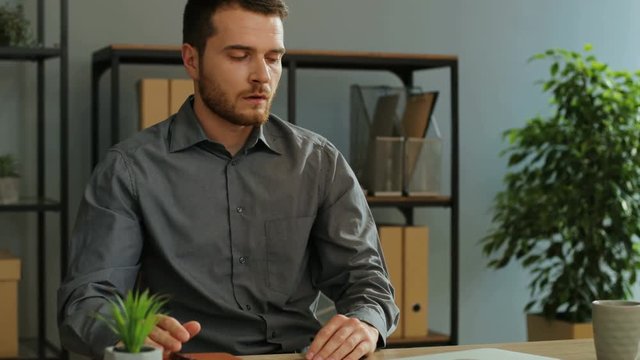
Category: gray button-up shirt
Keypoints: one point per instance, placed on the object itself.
(241, 243)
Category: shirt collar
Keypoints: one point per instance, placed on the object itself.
(266, 135)
(186, 131)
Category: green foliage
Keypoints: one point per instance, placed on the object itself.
(570, 212)
(134, 317)
(8, 166)
(14, 27)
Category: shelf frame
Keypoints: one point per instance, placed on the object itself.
(32, 205)
(40, 204)
(14, 53)
(402, 65)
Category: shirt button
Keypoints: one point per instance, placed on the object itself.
(242, 260)
(248, 307)
(234, 163)
(239, 209)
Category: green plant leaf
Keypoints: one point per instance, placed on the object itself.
(570, 207)
(134, 317)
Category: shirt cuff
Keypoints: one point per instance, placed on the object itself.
(373, 318)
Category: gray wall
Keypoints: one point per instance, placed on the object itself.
(493, 39)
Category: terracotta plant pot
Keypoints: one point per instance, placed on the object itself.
(540, 328)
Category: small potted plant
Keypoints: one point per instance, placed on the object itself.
(570, 212)
(9, 180)
(132, 320)
(14, 27)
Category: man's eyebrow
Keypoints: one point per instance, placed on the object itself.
(239, 47)
(252, 49)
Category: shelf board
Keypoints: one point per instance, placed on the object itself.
(14, 53)
(409, 201)
(432, 339)
(354, 60)
(312, 59)
(31, 204)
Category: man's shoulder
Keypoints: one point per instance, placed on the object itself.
(298, 136)
(153, 138)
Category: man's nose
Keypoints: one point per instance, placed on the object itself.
(261, 72)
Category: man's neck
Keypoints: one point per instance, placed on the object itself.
(232, 136)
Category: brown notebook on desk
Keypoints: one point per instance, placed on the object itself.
(203, 356)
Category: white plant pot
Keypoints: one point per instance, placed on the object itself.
(9, 190)
(147, 353)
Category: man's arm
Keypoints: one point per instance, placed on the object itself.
(351, 268)
(104, 254)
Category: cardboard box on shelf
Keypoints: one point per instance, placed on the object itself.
(9, 276)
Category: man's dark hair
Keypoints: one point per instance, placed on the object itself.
(197, 22)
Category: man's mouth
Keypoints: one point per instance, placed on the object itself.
(257, 98)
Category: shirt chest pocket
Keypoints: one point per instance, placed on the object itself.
(287, 252)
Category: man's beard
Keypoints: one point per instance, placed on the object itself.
(218, 102)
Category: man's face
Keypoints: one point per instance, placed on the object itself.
(241, 66)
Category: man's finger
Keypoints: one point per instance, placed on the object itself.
(340, 344)
(165, 339)
(174, 327)
(192, 327)
(324, 335)
(150, 342)
(361, 350)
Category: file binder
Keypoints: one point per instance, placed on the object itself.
(416, 271)
(391, 242)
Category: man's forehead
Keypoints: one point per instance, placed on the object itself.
(234, 19)
(236, 27)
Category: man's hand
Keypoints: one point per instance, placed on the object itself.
(343, 338)
(169, 334)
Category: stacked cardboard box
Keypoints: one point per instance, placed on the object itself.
(9, 276)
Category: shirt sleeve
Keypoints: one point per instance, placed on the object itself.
(351, 267)
(104, 254)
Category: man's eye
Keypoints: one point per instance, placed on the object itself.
(238, 56)
(273, 59)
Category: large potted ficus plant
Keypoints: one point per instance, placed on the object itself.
(9, 180)
(570, 212)
(132, 320)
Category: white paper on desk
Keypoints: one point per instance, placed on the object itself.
(480, 354)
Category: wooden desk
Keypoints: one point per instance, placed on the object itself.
(562, 349)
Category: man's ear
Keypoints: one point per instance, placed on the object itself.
(190, 60)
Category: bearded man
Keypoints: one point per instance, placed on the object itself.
(242, 219)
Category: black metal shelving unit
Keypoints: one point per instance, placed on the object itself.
(402, 65)
(41, 347)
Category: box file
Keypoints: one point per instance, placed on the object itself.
(415, 272)
(391, 241)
